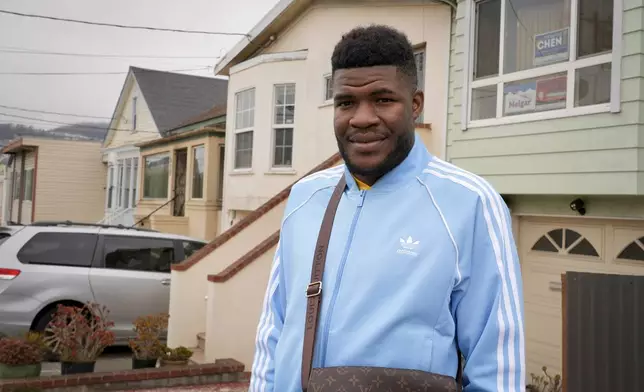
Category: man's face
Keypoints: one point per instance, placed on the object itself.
(375, 111)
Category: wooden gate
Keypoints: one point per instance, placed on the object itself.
(603, 332)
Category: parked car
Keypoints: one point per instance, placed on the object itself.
(49, 263)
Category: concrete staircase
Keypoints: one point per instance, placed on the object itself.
(198, 353)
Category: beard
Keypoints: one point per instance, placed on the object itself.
(402, 146)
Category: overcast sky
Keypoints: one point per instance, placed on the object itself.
(96, 95)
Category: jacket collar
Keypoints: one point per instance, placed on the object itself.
(407, 170)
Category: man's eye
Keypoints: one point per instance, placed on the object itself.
(342, 103)
(385, 100)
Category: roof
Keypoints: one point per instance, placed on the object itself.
(204, 131)
(214, 112)
(277, 19)
(27, 141)
(173, 97)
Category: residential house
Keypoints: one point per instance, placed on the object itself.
(54, 179)
(182, 177)
(151, 104)
(279, 128)
(547, 107)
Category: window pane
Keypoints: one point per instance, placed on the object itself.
(535, 95)
(595, 28)
(536, 33)
(289, 98)
(190, 247)
(197, 172)
(487, 42)
(156, 176)
(243, 150)
(289, 114)
(592, 85)
(245, 109)
(484, 102)
(329, 88)
(139, 254)
(283, 153)
(279, 115)
(66, 249)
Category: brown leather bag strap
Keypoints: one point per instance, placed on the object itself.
(314, 289)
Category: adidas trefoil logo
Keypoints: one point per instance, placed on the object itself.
(408, 247)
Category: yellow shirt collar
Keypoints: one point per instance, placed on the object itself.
(361, 185)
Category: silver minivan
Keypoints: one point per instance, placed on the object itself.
(49, 263)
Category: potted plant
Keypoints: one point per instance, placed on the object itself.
(175, 356)
(78, 335)
(20, 358)
(146, 345)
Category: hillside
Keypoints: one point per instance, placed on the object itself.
(80, 131)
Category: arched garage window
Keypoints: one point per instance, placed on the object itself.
(633, 251)
(565, 241)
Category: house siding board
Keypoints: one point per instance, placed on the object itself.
(591, 154)
(147, 129)
(70, 186)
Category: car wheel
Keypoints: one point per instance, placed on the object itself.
(40, 326)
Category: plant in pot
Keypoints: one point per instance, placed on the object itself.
(20, 358)
(146, 345)
(78, 335)
(175, 356)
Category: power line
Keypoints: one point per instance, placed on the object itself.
(17, 50)
(96, 73)
(83, 125)
(56, 113)
(120, 25)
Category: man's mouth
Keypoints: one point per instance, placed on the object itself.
(365, 141)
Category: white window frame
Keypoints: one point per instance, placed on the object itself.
(421, 77)
(615, 58)
(237, 130)
(327, 78)
(275, 126)
(134, 100)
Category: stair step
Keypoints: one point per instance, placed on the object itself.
(198, 356)
(201, 340)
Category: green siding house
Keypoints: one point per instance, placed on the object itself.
(546, 102)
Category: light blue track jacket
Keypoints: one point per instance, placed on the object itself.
(423, 256)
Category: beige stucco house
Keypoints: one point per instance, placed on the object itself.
(182, 177)
(54, 179)
(151, 104)
(279, 128)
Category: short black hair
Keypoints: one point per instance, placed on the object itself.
(375, 45)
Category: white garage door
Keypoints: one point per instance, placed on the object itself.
(548, 247)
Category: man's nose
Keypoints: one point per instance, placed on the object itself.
(364, 116)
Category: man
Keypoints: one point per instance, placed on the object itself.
(421, 259)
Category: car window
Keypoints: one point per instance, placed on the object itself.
(138, 254)
(190, 247)
(64, 249)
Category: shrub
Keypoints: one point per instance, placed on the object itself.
(17, 352)
(177, 354)
(79, 334)
(545, 382)
(147, 342)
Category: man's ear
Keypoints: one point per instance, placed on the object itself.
(417, 103)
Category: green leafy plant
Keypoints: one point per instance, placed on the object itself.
(79, 334)
(19, 352)
(176, 354)
(545, 382)
(147, 342)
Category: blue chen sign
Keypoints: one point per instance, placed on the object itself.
(551, 47)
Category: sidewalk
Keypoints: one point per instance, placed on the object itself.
(236, 387)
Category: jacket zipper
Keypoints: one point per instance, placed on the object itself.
(338, 279)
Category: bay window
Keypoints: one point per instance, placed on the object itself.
(531, 57)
